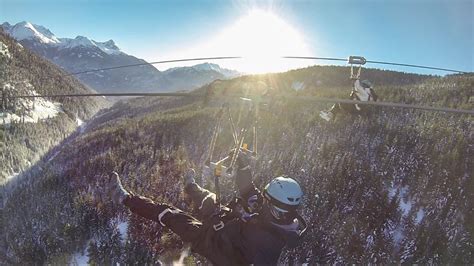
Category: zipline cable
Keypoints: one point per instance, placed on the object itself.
(378, 62)
(298, 98)
(153, 94)
(417, 66)
(385, 104)
(240, 57)
(302, 98)
(316, 58)
(153, 63)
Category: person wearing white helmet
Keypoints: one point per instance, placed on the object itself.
(362, 91)
(282, 197)
(250, 230)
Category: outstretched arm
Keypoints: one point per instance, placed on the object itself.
(244, 183)
(244, 178)
(137, 204)
(183, 224)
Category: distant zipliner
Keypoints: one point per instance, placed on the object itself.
(361, 91)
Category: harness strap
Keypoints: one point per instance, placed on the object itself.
(255, 130)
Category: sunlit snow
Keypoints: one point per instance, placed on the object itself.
(80, 258)
(26, 30)
(4, 50)
(420, 215)
(35, 109)
(398, 234)
(12, 176)
(123, 227)
(79, 122)
(405, 204)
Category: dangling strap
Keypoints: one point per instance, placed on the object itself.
(215, 133)
(233, 128)
(255, 130)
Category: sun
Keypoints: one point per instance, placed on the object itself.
(261, 38)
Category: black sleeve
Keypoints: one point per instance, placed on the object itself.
(244, 183)
(144, 207)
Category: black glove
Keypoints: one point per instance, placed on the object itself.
(244, 158)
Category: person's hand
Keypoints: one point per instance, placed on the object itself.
(245, 158)
(189, 177)
(115, 188)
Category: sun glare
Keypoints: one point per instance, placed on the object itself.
(262, 38)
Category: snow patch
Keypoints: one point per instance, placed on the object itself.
(12, 176)
(26, 30)
(420, 214)
(77, 42)
(398, 235)
(4, 51)
(123, 227)
(207, 67)
(391, 192)
(82, 126)
(80, 258)
(405, 204)
(32, 109)
(108, 47)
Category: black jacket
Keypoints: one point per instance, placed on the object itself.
(255, 241)
(239, 242)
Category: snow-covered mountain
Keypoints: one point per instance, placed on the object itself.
(25, 30)
(195, 76)
(211, 67)
(82, 53)
(41, 35)
(34, 125)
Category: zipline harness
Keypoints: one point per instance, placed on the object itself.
(220, 168)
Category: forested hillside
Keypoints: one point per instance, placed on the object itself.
(393, 186)
(30, 127)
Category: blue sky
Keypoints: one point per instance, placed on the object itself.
(428, 32)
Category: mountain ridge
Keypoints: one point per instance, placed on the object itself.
(24, 122)
(27, 31)
(82, 53)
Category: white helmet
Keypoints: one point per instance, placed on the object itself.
(284, 196)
